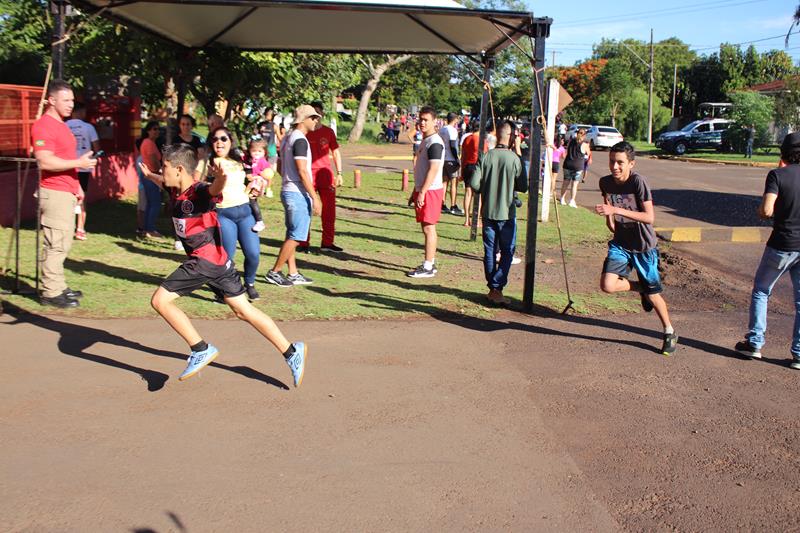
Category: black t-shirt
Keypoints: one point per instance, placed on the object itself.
(631, 195)
(574, 157)
(195, 143)
(785, 182)
(267, 131)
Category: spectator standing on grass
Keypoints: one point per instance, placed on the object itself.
(323, 143)
(87, 141)
(298, 196)
(450, 138)
(751, 139)
(267, 132)
(197, 225)
(428, 190)
(498, 177)
(574, 161)
(54, 149)
(628, 208)
(469, 162)
(781, 203)
(234, 212)
(150, 180)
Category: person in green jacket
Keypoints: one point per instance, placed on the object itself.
(498, 177)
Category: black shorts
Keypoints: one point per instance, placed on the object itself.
(450, 170)
(192, 275)
(83, 178)
(469, 170)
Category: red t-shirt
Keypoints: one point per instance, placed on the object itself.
(322, 142)
(469, 149)
(55, 136)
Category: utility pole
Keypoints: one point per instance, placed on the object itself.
(59, 10)
(650, 97)
(554, 58)
(674, 88)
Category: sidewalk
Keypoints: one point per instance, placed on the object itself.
(518, 423)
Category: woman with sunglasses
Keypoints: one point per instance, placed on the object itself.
(235, 217)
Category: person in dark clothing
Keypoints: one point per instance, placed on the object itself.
(781, 203)
(577, 153)
(751, 139)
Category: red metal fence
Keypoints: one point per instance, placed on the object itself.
(18, 107)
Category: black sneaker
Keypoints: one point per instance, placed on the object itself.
(60, 301)
(277, 278)
(422, 272)
(445, 209)
(72, 294)
(647, 305)
(747, 349)
(455, 210)
(670, 343)
(303, 249)
(252, 293)
(331, 248)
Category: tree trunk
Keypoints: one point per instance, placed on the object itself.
(366, 96)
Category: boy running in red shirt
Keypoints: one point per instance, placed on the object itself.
(197, 227)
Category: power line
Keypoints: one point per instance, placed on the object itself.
(678, 10)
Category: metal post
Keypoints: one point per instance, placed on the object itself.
(59, 11)
(534, 158)
(650, 97)
(17, 220)
(488, 64)
(674, 88)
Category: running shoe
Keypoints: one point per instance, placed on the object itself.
(299, 279)
(455, 210)
(277, 278)
(303, 250)
(80, 235)
(647, 305)
(795, 364)
(572, 203)
(252, 293)
(198, 361)
(516, 260)
(747, 349)
(259, 226)
(445, 210)
(422, 272)
(297, 362)
(178, 245)
(331, 248)
(670, 343)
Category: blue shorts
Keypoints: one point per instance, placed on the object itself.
(621, 261)
(572, 175)
(297, 215)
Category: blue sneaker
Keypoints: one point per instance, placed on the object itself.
(297, 362)
(198, 361)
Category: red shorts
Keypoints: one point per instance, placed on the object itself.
(432, 210)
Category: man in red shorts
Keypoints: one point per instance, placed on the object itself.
(323, 142)
(54, 147)
(428, 189)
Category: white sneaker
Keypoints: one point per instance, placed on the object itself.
(178, 245)
(563, 202)
(259, 226)
(572, 203)
(516, 260)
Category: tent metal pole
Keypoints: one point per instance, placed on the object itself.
(488, 65)
(537, 131)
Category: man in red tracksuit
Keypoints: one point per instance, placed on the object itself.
(323, 143)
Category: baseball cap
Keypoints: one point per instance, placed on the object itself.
(791, 144)
(303, 112)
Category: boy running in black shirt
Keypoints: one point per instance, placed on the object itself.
(628, 208)
(197, 227)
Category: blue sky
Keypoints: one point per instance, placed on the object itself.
(702, 24)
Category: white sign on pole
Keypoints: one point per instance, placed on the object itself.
(548, 180)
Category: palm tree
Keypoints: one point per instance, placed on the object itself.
(795, 22)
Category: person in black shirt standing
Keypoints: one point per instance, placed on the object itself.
(781, 202)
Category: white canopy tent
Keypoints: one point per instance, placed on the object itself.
(355, 26)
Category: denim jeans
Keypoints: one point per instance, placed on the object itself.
(237, 225)
(773, 264)
(153, 194)
(498, 236)
(748, 149)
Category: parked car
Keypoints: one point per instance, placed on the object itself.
(693, 136)
(573, 129)
(603, 137)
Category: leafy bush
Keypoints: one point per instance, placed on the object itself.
(749, 107)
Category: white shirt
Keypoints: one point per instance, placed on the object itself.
(85, 135)
(291, 177)
(449, 133)
(423, 164)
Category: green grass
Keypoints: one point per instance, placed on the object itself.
(118, 272)
(761, 155)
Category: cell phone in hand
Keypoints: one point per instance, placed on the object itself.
(99, 153)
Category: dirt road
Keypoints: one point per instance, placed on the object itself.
(520, 423)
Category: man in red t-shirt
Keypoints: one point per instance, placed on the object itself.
(323, 143)
(54, 148)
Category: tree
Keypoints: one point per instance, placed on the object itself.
(580, 82)
(615, 83)
(787, 105)
(750, 107)
(375, 74)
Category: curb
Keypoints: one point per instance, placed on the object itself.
(713, 162)
(697, 234)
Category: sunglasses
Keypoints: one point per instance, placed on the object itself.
(223, 139)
